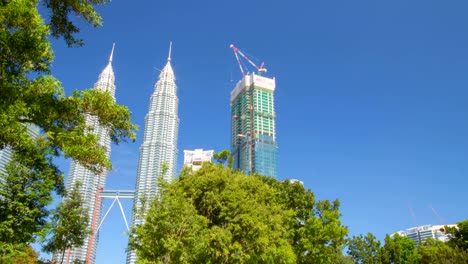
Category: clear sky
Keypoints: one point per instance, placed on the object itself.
(371, 99)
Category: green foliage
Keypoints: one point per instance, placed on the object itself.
(18, 253)
(364, 249)
(222, 156)
(317, 234)
(60, 24)
(30, 95)
(399, 250)
(69, 227)
(341, 259)
(439, 252)
(217, 215)
(396, 250)
(323, 233)
(178, 223)
(25, 194)
(459, 235)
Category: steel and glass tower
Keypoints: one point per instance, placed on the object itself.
(159, 145)
(253, 134)
(92, 183)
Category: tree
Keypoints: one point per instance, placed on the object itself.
(23, 254)
(17, 253)
(214, 215)
(222, 156)
(459, 235)
(25, 194)
(217, 215)
(172, 232)
(31, 95)
(342, 259)
(364, 249)
(439, 252)
(317, 234)
(69, 226)
(403, 250)
(60, 24)
(399, 250)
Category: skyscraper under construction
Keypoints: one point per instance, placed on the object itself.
(253, 135)
(159, 145)
(91, 182)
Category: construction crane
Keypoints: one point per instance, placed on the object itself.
(243, 68)
(437, 215)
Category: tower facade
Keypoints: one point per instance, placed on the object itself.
(253, 133)
(159, 147)
(92, 183)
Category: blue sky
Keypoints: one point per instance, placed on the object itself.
(371, 96)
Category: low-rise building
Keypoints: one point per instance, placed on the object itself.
(421, 233)
(195, 158)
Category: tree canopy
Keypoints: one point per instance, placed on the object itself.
(403, 250)
(30, 95)
(459, 235)
(218, 215)
(69, 226)
(364, 249)
(25, 195)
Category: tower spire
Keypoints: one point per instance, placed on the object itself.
(112, 52)
(170, 49)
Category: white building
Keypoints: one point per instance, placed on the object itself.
(421, 233)
(159, 145)
(91, 183)
(195, 158)
(295, 180)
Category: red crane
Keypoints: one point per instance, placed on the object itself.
(237, 52)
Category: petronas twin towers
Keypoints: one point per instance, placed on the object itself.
(91, 183)
(158, 152)
(158, 157)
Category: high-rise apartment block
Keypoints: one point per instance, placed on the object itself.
(194, 158)
(158, 152)
(91, 183)
(253, 134)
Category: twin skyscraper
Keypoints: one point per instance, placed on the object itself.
(158, 152)
(253, 145)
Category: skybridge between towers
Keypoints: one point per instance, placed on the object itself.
(122, 194)
(116, 195)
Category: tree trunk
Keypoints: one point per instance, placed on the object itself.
(63, 256)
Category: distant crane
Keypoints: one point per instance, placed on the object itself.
(437, 215)
(242, 67)
(412, 214)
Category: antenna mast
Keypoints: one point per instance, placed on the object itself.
(170, 50)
